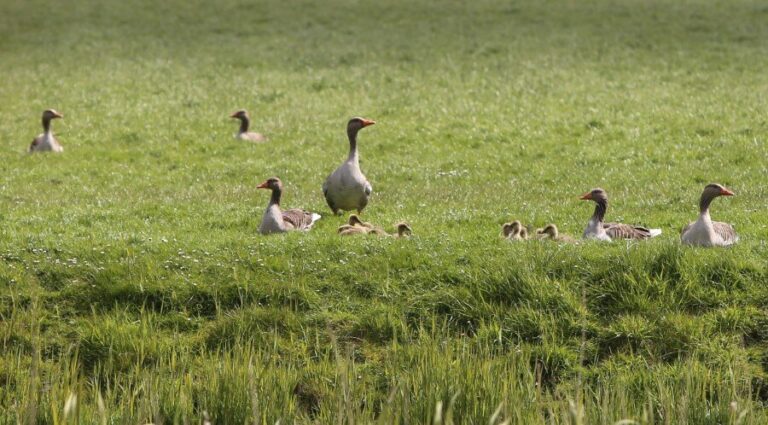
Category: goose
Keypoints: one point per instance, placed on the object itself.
(46, 141)
(243, 133)
(550, 232)
(354, 220)
(596, 229)
(276, 220)
(347, 188)
(347, 230)
(403, 230)
(513, 231)
(704, 231)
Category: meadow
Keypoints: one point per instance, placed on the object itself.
(134, 287)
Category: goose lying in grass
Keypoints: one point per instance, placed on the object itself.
(596, 229)
(245, 122)
(402, 230)
(550, 232)
(358, 227)
(355, 222)
(46, 141)
(276, 220)
(704, 231)
(347, 188)
(514, 231)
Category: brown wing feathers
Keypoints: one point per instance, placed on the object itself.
(298, 218)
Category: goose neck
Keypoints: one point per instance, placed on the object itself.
(244, 123)
(275, 199)
(704, 202)
(601, 206)
(352, 134)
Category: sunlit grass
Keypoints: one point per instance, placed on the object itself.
(134, 287)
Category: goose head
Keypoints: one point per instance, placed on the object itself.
(240, 115)
(272, 183)
(713, 190)
(50, 114)
(523, 233)
(356, 124)
(403, 229)
(598, 195)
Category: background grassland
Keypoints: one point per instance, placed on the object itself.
(134, 286)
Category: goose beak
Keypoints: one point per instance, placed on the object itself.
(58, 115)
(234, 115)
(587, 196)
(262, 186)
(366, 123)
(726, 192)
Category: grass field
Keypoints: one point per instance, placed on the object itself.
(134, 287)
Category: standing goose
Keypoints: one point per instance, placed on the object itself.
(596, 229)
(277, 221)
(245, 122)
(704, 231)
(347, 188)
(46, 141)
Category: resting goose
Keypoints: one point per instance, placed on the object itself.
(514, 231)
(596, 229)
(245, 122)
(347, 189)
(704, 231)
(354, 220)
(403, 230)
(550, 232)
(277, 221)
(46, 141)
(347, 230)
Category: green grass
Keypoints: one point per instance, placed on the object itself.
(134, 287)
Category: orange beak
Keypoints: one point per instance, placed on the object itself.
(262, 186)
(587, 196)
(366, 122)
(726, 192)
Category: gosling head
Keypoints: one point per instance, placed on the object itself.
(403, 229)
(354, 220)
